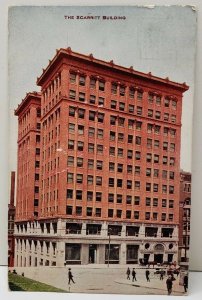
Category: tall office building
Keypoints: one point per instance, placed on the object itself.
(109, 180)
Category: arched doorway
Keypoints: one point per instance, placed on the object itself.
(158, 253)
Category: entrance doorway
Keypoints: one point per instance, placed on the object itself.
(92, 254)
(146, 258)
(170, 257)
(158, 258)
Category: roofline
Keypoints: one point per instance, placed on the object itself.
(29, 96)
(90, 58)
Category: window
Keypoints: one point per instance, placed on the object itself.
(37, 164)
(112, 120)
(79, 162)
(137, 170)
(121, 121)
(149, 143)
(78, 210)
(90, 148)
(172, 161)
(171, 203)
(156, 144)
(166, 102)
(36, 177)
(81, 113)
(147, 216)
(139, 95)
(119, 213)
(120, 137)
(157, 129)
(119, 198)
(111, 166)
(131, 92)
(70, 177)
(100, 117)
(164, 174)
(150, 113)
(98, 180)
(98, 212)
(164, 189)
(89, 211)
(137, 155)
(92, 115)
(79, 195)
(137, 185)
(128, 214)
(149, 157)
(112, 135)
(69, 210)
(110, 213)
(172, 132)
(148, 201)
(128, 199)
(121, 106)
(72, 78)
(120, 152)
(131, 124)
(100, 149)
(155, 216)
(71, 144)
(111, 182)
(174, 104)
(171, 189)
(82, 80)
(101, 86)
(164, 202)
(130, 154)
(112, 151)
(92, 83)
(138, 125)
(80, 146)
(98, 197)
(120, 168)
(71, 128)
(156, 173)
(139, 110)
(72, 111)
(158, 115)
(90, 179)
(113, 104)
(90, 164)
(89, 196)
(136, 215)
(158, 100)
(91, 131)
(163, 217)
(92, 99)
(119, 182)
(129, 184)
(138, 140)
(38, 126)
(155, 187)
(172, 147)
(165, 160)
(170, 217)
(148, 187)
(155, 202)
(110, 197)
(79, 178)
(166, 117)
(80, 129)
(165, 146)
(149, 128)
(99, 164)
(72, 94)
(114, 88)
(101, 101)
(165, 131)
(122, 90)
(150, 98)
(100, 133)
(129, 169)
(37, 151)
(148, 172)
(172, 175)
(69, 194)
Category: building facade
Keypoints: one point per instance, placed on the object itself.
(185, 213)
(109, 166)
(11, 222)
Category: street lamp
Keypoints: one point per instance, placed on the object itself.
(109, 234)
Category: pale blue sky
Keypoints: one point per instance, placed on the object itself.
(160, 40)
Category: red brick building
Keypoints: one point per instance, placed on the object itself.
(185, 212)
(109, 165)
(11, 221)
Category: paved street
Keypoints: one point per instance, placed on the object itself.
(100, 279)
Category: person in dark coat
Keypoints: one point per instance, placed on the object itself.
(128, 274)
(147, 273)
(134, 275)
(70, 276)
(169, 284)
(161, 274)
(185, 283)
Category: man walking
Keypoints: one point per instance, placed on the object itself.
(147, 273)
(134, 275)
(70, 276)
(169, 284)
(128, 274)
(185, 283)
(161, 274)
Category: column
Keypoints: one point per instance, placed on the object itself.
(84, 254)
(104, 231)
(122, 253)
(60, 257)
(101, 254)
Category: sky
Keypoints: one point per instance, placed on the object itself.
(160, 40)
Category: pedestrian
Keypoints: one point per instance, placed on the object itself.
(169, 284)
(161, 274)
(134, 275)
(185, 283)
(70, 276)
(128, 273)
(147, 273)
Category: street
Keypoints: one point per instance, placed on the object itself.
(101, 280)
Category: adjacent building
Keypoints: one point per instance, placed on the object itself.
(185, 212)
(11, 222)
(98, 162)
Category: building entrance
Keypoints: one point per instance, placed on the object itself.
(158, 258)
(92, 254)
